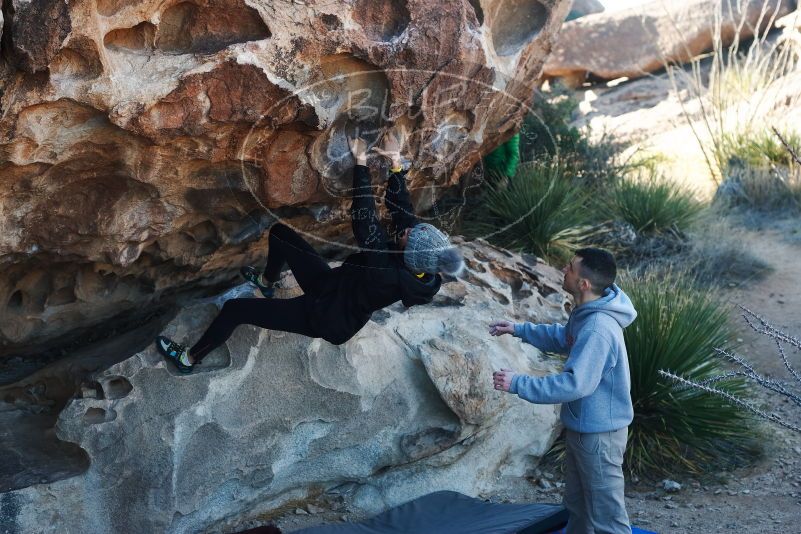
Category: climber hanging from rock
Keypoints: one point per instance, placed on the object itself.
(337, 302)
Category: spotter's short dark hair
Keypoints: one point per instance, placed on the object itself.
(599, 267)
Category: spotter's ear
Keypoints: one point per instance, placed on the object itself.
(585, 284)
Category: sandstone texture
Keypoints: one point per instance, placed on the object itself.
(640, 40)
(276, 421)
(146, 145)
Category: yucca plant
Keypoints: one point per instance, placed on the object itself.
(651, 204)
(678, 328)
(537, 210)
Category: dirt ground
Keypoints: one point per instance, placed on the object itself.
(766, 497)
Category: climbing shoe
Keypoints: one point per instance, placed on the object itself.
(253, 276)
(175, 353)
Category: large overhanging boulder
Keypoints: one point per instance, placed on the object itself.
(145, 146)
(274, 420)
(643, 39)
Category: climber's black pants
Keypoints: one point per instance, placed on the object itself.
(286, 315)
(286, 246)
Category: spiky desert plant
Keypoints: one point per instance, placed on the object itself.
(760, 148)
(733, 86)
(538, 210)
(652, 204)
(763, 174)
(678, 327)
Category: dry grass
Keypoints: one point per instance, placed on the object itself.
(767, 189)
(711, 254)
(743, 83)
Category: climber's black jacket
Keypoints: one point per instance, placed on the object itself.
(376, 276)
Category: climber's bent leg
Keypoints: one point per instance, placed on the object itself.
(309, 268)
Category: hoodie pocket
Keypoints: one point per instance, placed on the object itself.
(590, 443)
(574, 408)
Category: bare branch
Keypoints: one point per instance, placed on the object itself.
(769, 330)
(786, 145)
(731, 398)
(714, 379)
(761, 326)
(767, 383)
(787, 362)
(732, 357)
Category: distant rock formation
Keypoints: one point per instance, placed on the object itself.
(643, 39)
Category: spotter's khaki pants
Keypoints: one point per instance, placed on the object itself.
(594, 483)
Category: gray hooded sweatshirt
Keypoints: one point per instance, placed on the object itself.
(594, 386)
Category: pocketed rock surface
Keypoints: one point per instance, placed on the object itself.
(273, 422)
(144, 146)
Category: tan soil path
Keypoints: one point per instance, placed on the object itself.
(765, 498)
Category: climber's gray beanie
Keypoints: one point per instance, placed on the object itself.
(429, 251)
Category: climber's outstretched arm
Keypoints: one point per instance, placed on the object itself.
(367, 227)
(399, 202)
(397, 198)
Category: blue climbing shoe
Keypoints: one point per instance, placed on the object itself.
(254, 277)
(173, 352)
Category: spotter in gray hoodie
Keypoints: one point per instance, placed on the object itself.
(594, 387)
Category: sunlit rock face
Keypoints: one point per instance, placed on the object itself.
(582, 8)
(274, 420)
(645, 38)
(145, 146)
